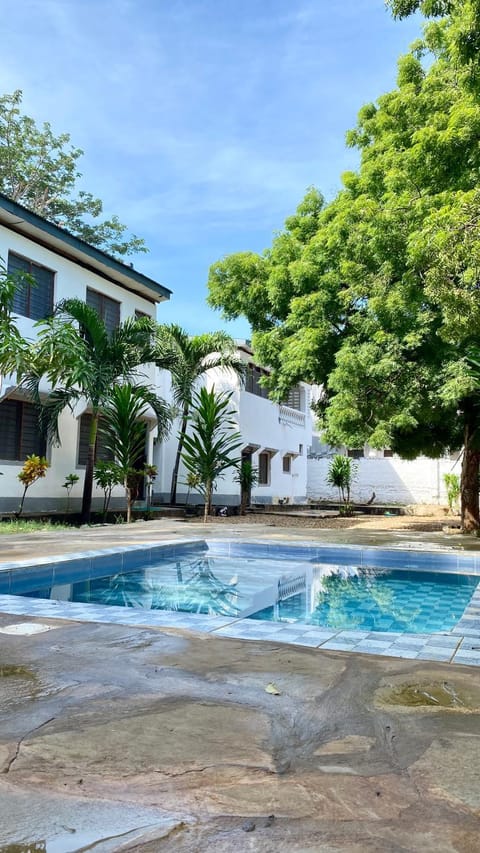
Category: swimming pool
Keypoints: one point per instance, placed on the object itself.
(352, 589)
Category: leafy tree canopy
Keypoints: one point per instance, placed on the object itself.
(39, 170)
(375, 295)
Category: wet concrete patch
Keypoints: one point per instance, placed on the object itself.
(42, 822)
(424, 694)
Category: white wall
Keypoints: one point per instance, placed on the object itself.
(261, 423)
(71, 280)
(393, 480)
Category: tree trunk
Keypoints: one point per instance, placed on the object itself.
(208, 501)
(470, 470)
(88, 482)
(20, 508)
(183, 429)
(128, 495)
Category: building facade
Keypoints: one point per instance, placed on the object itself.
(62, 266)
(274, 439)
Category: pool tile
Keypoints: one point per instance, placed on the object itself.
(438, 653)
(35, 577)
(71, 571)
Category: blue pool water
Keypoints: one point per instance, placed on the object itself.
(304, 589)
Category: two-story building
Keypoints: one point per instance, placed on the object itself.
(275, 438)
(61, 266)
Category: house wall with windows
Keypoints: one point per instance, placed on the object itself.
(63, 267)
(274, 438)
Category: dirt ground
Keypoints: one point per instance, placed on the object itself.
(428, 523)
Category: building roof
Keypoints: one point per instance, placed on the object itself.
(18, 218)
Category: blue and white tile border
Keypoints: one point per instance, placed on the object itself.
(460, 645)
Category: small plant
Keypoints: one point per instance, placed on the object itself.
(193, 481)
(150, 473)
(452, 485)
(69, 483)
(247, 476)
(34, 468)
(107, 475)
(341, 472)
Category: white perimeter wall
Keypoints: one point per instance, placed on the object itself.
(393, 480)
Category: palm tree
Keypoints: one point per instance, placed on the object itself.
(191, 357)
(14, 349)
(123, 427)
(83, 361)
(208, 451)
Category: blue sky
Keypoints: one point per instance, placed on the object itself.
(203, 121)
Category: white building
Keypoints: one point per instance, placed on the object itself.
(274, 438)
(63, 267)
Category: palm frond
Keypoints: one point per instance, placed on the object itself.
(51, 408)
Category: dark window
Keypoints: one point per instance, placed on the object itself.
(108, 309)
(19, 432)
(252, 381)
(287, 463)
(84, 433)
(34, 300)
(356, 453)
(387, 453)
(263, 469)
(294, 399)
(140, 314)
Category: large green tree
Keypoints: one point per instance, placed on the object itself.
(375, 295)
(40, 171)
(191, 357)
(84, 362)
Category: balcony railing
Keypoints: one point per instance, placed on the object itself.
(291, 416)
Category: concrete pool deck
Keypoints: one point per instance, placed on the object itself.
(123, 738)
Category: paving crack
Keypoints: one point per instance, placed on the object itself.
(28, 734)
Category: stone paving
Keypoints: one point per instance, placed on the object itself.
(214, 734)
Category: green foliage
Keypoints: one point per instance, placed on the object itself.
(14, 349)
(378, 301)
(192, 481)
(39, 170)
(247, 476)
(77, 355)
(210, 449)
(188, 358)
(340, 475)
(69, 483)
(21, 525)
(124, 428)
(452, 485)
(107, 475)
(34, 468)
